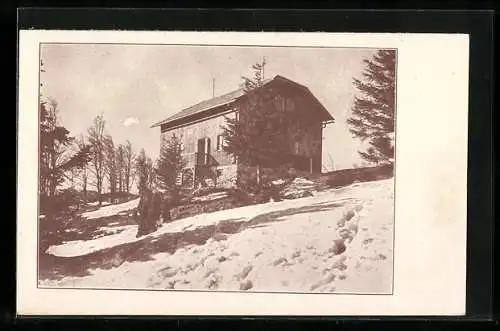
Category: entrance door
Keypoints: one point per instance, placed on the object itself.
(200, 151)
(203, 151)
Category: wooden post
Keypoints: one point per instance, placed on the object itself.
(207, 150)
(258, 174)
(194, 177)
(311, 165)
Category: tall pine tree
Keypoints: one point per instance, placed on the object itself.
(258, 135)
(373, 112)
(143, 166)
(170, 165)
(57, 160)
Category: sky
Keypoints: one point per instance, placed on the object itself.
(134, 86)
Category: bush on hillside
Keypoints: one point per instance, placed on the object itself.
(65, 200)
(340, 179)
(348, 176)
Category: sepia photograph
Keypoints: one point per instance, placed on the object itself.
(241, 173)
(227, 168)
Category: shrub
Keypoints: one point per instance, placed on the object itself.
(240, 196)
(66, 200)
(340, 179)
(207, 190)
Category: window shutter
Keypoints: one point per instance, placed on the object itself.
(207, 151)
(219, 142)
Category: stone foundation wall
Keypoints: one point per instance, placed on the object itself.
(247, 175)
(227, 176)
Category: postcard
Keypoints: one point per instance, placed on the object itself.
(231, 173)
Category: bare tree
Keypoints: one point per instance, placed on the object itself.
(128, 166)
(83, 174)
(97, 142)
(111, 164)
(330, 164)
(120, 167)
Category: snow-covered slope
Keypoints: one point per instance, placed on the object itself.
(110, 210)
(291, 246)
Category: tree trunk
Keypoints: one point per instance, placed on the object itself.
(52, 177)
(99, 188)
(120, 179)
(84, 184)
(127, 182)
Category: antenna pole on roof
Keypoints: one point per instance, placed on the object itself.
(213, 87)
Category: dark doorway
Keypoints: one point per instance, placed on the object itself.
(203, 151)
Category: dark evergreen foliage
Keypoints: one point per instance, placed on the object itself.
(373, 112)
(56, 158)
(170, 165)
(260, 134)
(145, 173)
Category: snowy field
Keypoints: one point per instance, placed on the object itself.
(338, 240)
(109, 210)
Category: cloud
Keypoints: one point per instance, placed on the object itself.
(129, 121)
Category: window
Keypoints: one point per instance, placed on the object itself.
(280, 102)
(290, 105)
(220, 142)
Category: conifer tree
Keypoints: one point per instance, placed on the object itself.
(142, 170)
(57, 159)
(259, 134)
(170, 165)
(373, 111)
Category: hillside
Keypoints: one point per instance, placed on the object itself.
(339, 240)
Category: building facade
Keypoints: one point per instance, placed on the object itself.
(200, 129)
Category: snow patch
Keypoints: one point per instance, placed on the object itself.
(111, 210)
(211, 196)
(302, 181)
(83, 247)
(289, 250)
